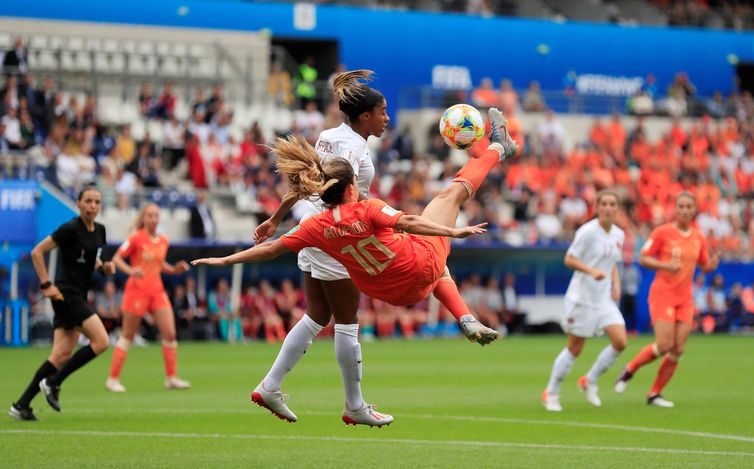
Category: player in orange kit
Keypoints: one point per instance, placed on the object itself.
(144, 292)
(399, 268)
(674, 250)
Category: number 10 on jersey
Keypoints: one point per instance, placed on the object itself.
(365, 258)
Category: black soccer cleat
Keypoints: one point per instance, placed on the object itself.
(22, 413)
(622, 382)
(52, 394)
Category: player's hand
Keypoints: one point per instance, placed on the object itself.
(673, 265)
(108, 268)
(265, 231)
(714, 261)
(615, 293)
(598, 274)
(52, 293)
(137, 272)
(212, 261)
(467, 231)
(181, 267)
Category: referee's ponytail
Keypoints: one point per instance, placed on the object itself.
(307, 175)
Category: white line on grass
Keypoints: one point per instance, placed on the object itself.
(403, 441)
(564, 423)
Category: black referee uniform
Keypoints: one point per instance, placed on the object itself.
(79, 250)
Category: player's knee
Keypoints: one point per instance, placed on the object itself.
(677, 351)
(576, 349)
(168, 337)
(620, 344)
(664, 347)
(60, 358)
(100, 344)
(453, 192)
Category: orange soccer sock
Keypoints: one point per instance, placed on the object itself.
(170, 355)
(447, 293)
(119, 357)
(475, 171)
(664, 374)
(645, 355)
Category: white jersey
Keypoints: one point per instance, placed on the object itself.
(600, 250)
(342, 142)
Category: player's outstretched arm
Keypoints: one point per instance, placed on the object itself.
(175, 269)
(267, 229)
(416, 224)
(258, 253)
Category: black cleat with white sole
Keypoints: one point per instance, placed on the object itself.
(22, 413)
(52, 394)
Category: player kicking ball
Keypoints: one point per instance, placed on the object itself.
(391, 256)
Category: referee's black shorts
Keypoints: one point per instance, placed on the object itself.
(71, 312)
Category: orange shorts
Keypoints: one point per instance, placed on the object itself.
(432, 256)
(139, 302)
(664, 310)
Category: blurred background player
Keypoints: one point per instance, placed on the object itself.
(144, 293)
(673, 250)
(398, 268)
(80, 242)
(594, 255)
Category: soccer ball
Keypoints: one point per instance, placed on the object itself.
(461, 126)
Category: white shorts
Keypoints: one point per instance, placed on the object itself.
(320, 265)
(589, 320)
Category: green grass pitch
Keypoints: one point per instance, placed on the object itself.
(455, 405)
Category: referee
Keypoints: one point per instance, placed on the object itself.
(80, 241)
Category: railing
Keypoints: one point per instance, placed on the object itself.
(415, 97)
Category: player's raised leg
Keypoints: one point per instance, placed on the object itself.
(669, 365)
(606, 358)
(561, 367)
(95, 331)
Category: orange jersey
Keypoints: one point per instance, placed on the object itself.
(666, 243)
(383, 263)
(148, 254)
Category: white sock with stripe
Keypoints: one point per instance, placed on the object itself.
(560, 369)
(295, 345)
(604, 360)
(348, 354)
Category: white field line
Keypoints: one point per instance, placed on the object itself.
(402, 441)
(562, 423)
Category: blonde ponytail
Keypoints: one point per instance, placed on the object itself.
(298, 160)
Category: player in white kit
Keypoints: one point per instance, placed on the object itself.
(590, 301)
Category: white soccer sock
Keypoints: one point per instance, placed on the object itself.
(348, 353)
(560, 369)
(295, 345)
(604, 360)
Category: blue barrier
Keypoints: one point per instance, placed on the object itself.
(16, 323)
(2, 322)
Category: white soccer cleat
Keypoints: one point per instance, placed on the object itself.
(366, 415)
(659, 401)
(477, 332)
(499, 134)
(274, 401)
(591, 390)
(551, 402)
(176, 383)
(114, 385)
